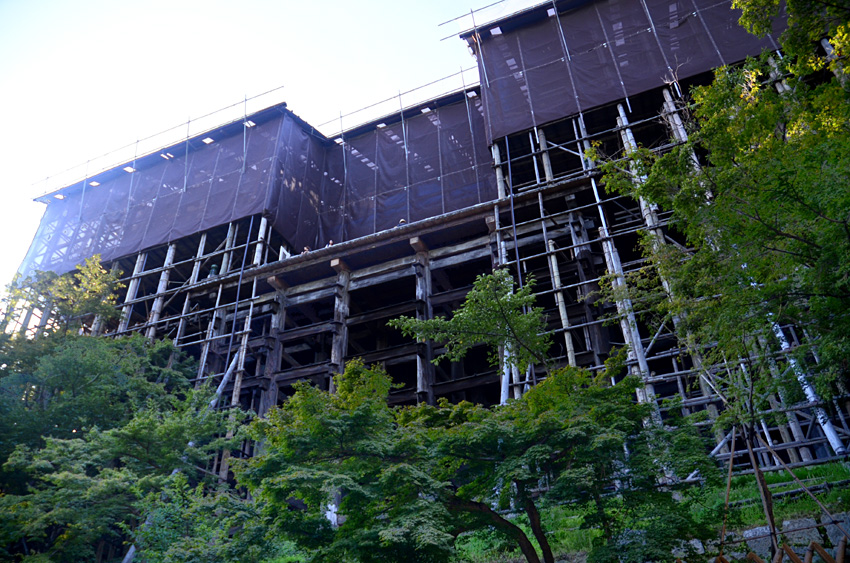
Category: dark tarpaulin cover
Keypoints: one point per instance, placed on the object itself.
(312, 190)
(420, 167)
(164, 200)
(600, 52)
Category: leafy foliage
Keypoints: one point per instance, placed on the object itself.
(410, 480)
(809, 21)
(84, 490)
(62, 386)
(495, 314)
(67, 300)
(214, 524)
(767, 222)
(93, 429)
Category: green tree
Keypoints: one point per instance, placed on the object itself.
(84, 492)
(78, 383)
(496, 314)
(93, 428)
(70, 300)
(215, 524)
(410, 480)
(809, 21)
(766, 217)
(765, 211)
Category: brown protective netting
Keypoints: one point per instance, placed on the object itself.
(312, 189)
(544, 66)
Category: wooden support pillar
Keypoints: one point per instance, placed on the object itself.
(261, 242)
(504, 376)
(339, 346)
(424, 367)
(500, 174)
(236, 394)
(132, 290)
(562, 306)
(212, 330)
(96, 325)
(43, 320)
(273, 356)
(193, 279)
(838, 67)
(625, 310)
(648, 210)
(26, 320)
(228, 244)
(672, 117)
(544, 152)
(196, 267)
(159, 301)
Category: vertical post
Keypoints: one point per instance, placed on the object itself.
(500, 174)
(648, 210)
(519, 388)
(43, 320)
(196, 267)
(544, 150)
(562, 306)
(228, 244)
(674, 120)
(159, 302)
(261, 241)
(341, 303)
(837, 68)
(269, 397)
(424, 367)
(625, 310)
(132, 290)
(803, 378)
(532, 144)
(193, 279)
(212, 330)
(236, 395)
(505, 379)
(27, 319)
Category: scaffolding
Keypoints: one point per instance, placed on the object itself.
(274, 254)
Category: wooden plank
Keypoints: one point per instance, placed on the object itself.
(402, 396)
(383, 268)
(444, 251)
(310, 297)
(393, 352)
(159, 302)
(382, 278)
(309, 287)
(449, 296)
(292, 375)
(288, 335)
(439, 263)
(466, 383)
(382, 313)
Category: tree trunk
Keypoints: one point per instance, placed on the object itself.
(500, 523)
(536, 525)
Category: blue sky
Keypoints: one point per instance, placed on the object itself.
(81, 78)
